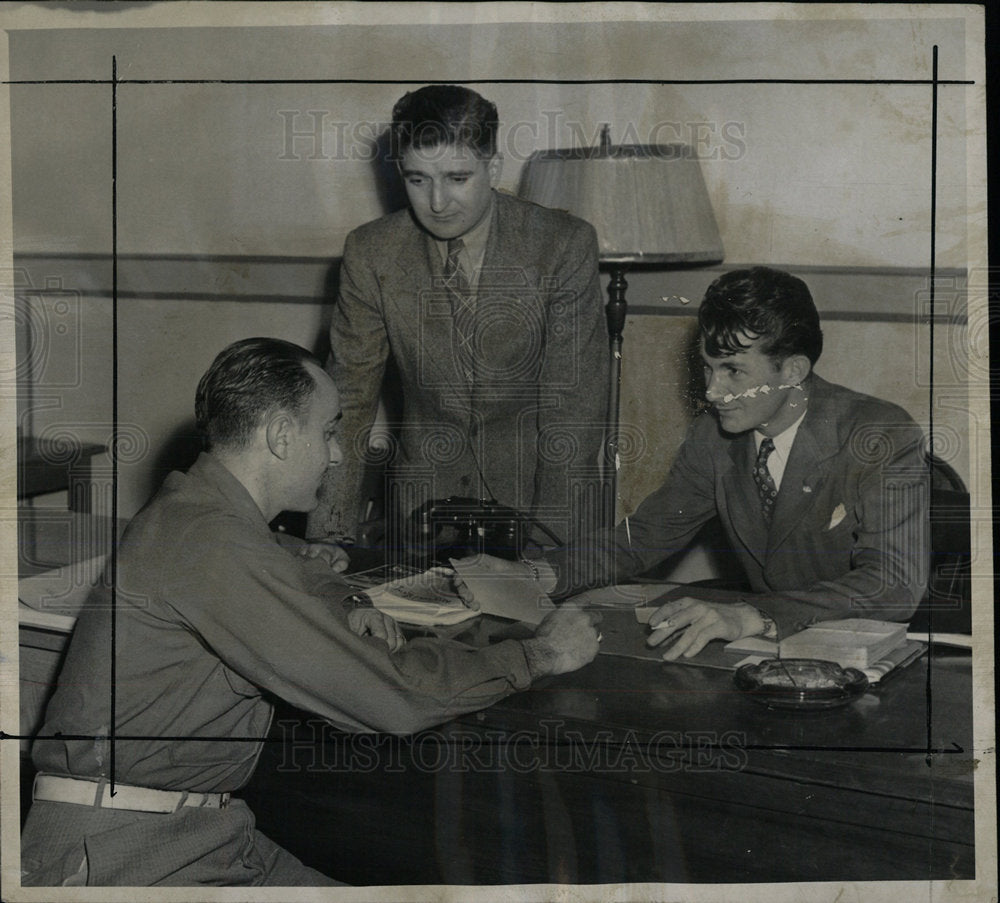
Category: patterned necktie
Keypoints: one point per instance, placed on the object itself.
(453, 265)
(462, 305)
(766, 487)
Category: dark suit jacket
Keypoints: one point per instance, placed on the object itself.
(528, 417)
(850, 534)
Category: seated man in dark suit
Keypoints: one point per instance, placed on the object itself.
(821, 491)
(167, 686)
(491, 311)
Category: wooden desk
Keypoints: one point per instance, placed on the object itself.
(631, 771)
(638, 771)
(49, 538)
(46, 465)
(62, 553)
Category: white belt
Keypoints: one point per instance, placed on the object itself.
(83, 792)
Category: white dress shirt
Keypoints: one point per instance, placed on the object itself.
(782, 449)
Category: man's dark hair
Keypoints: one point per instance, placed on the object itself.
(246, 382)
(444, 114)
(761, 303)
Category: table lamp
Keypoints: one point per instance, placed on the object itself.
(649, 205)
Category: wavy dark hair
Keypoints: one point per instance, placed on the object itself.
(760, 302)
(246, 382)
(444, 114)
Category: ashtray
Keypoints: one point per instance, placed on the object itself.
(802, 684)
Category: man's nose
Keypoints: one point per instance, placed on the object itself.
(336, 456)
(713, 388)
(439, 198)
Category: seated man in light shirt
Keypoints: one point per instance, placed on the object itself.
(164, 700)
(822, 492)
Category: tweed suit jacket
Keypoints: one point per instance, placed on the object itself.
(850, 535)
(528, 414)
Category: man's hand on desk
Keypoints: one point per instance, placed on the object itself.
(701, 622)
(566, 640)
(372, 622)
(538, 570)
(333, 554)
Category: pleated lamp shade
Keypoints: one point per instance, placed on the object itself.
(647, 202)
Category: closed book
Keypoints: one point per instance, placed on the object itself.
(851, 642)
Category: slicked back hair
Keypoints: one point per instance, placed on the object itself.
(760, 303)
(248, 381)
(447, 115)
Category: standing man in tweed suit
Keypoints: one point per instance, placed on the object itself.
(491, 311)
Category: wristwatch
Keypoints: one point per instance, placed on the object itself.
(533, 568)
(770, 630)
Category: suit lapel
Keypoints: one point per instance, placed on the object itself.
(815, 444)
(742, 500)
(511, 252)
(414, 254)
(804, 472)
(418, 303)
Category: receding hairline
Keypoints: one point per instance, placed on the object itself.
(320, 378)
(282, 376)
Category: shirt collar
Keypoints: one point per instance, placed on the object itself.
(783, 441)
(211, 470)
(475, 242)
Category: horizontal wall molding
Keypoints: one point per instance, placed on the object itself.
(884, 294)
(179, 277)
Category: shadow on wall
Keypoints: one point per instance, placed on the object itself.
(388, 184)
(694, 389)
(178, 452)
(392, 197)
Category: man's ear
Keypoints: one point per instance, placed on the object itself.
(279, 429)
(494, 168)
(794, 369)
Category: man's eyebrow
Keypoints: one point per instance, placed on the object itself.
(724, 358)
(449, 172)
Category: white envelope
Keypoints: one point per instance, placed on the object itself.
(505, 595)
